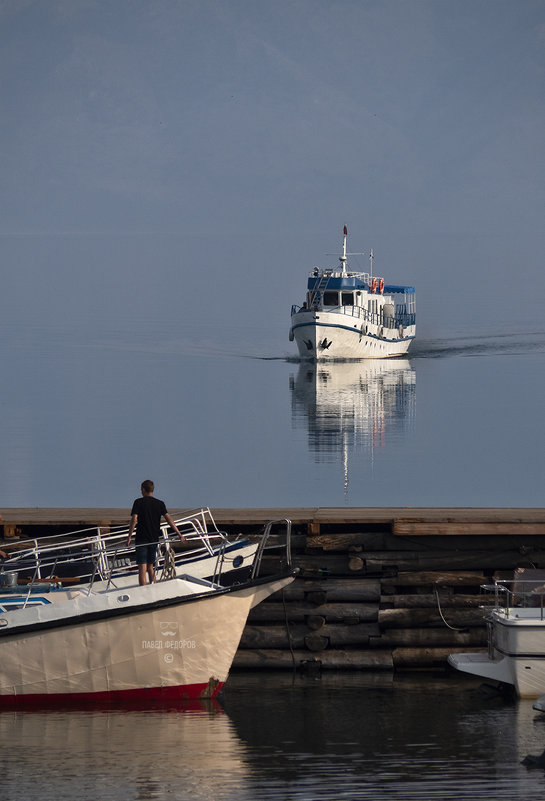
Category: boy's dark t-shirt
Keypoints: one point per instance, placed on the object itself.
(149, 511)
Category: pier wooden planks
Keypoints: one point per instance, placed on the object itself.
(405, 521)
(405, 528)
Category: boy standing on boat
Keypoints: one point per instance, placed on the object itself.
(146, 514)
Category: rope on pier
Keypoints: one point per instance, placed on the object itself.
(453, 628)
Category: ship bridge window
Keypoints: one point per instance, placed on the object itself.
(347, 298)
(331, 298)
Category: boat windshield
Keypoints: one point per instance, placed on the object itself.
(331, 298)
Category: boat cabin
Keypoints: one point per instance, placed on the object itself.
(329, 290)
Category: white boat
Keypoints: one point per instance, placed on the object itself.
(349, 314)
(97, 642)
(516, 638)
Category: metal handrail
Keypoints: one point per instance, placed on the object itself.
(101, 555)
(199, 521)
(102, 550)
(286, 546)
(517, 594)
(361, 313)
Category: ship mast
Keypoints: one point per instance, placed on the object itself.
(342, 258)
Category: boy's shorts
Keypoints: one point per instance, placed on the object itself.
(146, 553)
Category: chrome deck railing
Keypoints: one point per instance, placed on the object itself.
(102, 554)
(284, 545)
(82, 561)
(509, 597)
(364, 315)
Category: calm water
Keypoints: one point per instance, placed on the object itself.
(228, 418)
(281, 737)
(180, 369)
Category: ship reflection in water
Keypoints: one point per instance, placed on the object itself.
(350, 407)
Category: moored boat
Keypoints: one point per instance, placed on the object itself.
(350, 314)
(97, 642)
(516, 637)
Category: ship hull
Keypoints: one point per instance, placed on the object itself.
(327, 336)
(161, 646)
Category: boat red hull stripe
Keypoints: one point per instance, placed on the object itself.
(187, 692)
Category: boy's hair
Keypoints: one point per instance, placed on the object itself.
(148, 485)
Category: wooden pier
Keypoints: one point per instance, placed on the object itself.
(379, 588)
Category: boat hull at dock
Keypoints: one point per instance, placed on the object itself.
(524, 674)
(516, 652)
(130, 644)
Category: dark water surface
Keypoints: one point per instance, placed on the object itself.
(278, 737)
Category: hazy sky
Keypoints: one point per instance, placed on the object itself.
(157, 113)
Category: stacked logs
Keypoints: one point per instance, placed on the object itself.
(369, 599)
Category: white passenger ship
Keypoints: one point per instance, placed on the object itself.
(353, 315)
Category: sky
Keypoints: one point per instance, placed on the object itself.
(216, 148)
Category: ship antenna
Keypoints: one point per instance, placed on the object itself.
(371, 263)
(342, 258)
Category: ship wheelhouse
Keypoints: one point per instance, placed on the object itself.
(360, 294)
(327, 289)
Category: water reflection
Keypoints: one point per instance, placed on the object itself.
(403, 737)
(349, 406)
(280, 736)
(119, 754)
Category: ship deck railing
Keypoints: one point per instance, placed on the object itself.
(97, 553)
(386, 321)
(327, 272)
(88, 556)
(510, 597)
